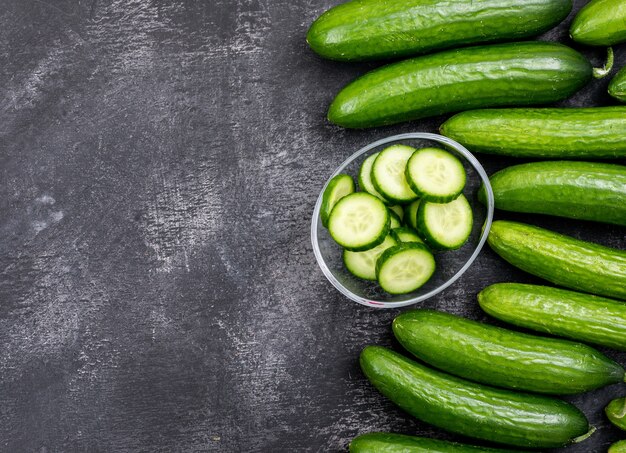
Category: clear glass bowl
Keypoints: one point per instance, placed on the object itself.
(450, 264)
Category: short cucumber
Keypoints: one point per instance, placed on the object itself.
(363, 264)
(445, 226)
(562, 133)
(406, 234)
(359, 221)
(616, 412)
(561, 259)
(337, 188)
(486, 76)
(365, 177)
(388, 174)
(576, 190)
(600, 23)
(399, 443)
(404, 268)
(504, 358)
(559, 312)
(471, 409)
(617, 87)
(435, 175)
(410, 214)
(618, 447)
(369, 29)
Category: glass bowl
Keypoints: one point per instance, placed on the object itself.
(450, 264)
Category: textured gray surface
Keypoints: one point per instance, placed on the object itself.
(159, 163)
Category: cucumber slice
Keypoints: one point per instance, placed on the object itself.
(398, 210)
(337, 188)
(388, 174)
(359, 221)
(435, 175)
(405, 234)
(395, 221)
(445, 226)
(404, 268)
(410, 214)
(365, 177)
(363, 264)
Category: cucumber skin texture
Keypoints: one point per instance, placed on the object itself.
(504, 358)
(573, 133)
(471, 409)
(560, 312)
(399, 443)
(617, 86)
(369, 29)
(600, 23)
(485, 76)
(616, 412)
(561, 259)
(618, 447)
(576, 190)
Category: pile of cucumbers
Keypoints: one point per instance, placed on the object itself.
(470, 378)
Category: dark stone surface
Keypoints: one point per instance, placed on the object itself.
(159, 163)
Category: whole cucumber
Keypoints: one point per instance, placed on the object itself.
(504, 358)
(561, 259)
(618, 447)
(559, 312)
(576, 190)
(616, 412)
(574, 133)
(600, 23)
(399, 443)
(501, 74)
(617, 87)
(370, 29)
(471, 409)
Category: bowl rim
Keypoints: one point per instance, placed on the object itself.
(483, 237)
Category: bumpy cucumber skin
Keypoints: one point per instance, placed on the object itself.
(616, 412)
(600, 23)
(575, 133)
(504, 358)
(484, 76)
(617, 87)
(561, 259)
(399, 443)
(370, 29)
(618, 447)
(576, 190)
(471, 409)
(569, 314)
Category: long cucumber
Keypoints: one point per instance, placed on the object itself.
(600, 23)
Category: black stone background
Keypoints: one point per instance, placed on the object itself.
(159, 163)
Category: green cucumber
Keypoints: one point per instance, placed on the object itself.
(445, 226)
(576, 190)
(618, 447)
(600, 23)
(399, 443)
(559, 312)
(410, 214)
(616, 412)
(503, 74)
(574, 133)
(388, 174)
(337, 188)
(561, 259)
(406, 234)
(369, 29)
(471, 409)
(399, 210)
(404, 268)
(365, 177)
(617, 87)
(504, 358)
(363, 264)
(435, 175)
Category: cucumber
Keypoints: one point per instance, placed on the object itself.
(445, 226)
(600, 23)
(410, 214)
(359, 222)
(576, 190)
(502, 74)
(574, 133)
(618, 447)
(559, 312)
(504, 358)
(471, 409)
(405, 234)
(363, 264)
(404, 268)
(394, 219)
(561, 259)
(337, 188)
(388, 174)
(399, 443)
(365, 177)
(435, 175)
(399, 210)
(368, 29)
(617, 87)
(616, 412)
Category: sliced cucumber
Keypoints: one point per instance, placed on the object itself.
(365, 177)
(410, 214)
(445, 226)
(435, 175)
(404, 267)
(363, 264)
(359, 221)
(398, 209)
(388, 174)
(395, 221)
(337, 188)
(406, 234)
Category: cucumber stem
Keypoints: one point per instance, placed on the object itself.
(599, 73)
(585, 436)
